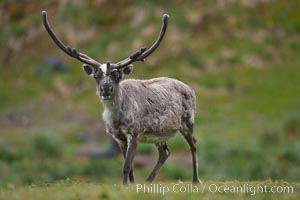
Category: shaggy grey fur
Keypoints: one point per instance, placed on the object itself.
(153, 109)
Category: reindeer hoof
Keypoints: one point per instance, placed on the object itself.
(197, 181)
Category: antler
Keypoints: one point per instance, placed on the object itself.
(68, 50)
(144, 52)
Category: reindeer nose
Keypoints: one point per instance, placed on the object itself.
(106, 89)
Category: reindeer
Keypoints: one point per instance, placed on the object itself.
(148, 111)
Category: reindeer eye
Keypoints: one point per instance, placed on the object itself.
(115, 75)
(98, 75)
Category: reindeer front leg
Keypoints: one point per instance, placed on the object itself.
(132, 141)
(123, 146)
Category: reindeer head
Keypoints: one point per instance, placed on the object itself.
(107, 75)
(107, 78)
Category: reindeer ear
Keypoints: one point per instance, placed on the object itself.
(89, 70)
(128, 69)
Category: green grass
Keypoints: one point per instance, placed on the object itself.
(177, 190)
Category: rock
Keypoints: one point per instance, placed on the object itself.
(51, 64)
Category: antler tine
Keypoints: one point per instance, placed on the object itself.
(68, 50)
(143, 53)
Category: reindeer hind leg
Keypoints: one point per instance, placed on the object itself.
(163, 154)
(187, 132)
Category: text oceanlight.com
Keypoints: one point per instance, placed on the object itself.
(246, 188)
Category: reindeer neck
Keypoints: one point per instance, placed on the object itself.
(112, 107)
(115, 102)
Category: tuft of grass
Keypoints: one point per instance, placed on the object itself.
(146, 149)
(175, 172)
(8, 153)
(47, 144)
(102, 169)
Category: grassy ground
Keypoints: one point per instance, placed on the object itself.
(208, 190)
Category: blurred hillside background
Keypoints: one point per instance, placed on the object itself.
(241, 56)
